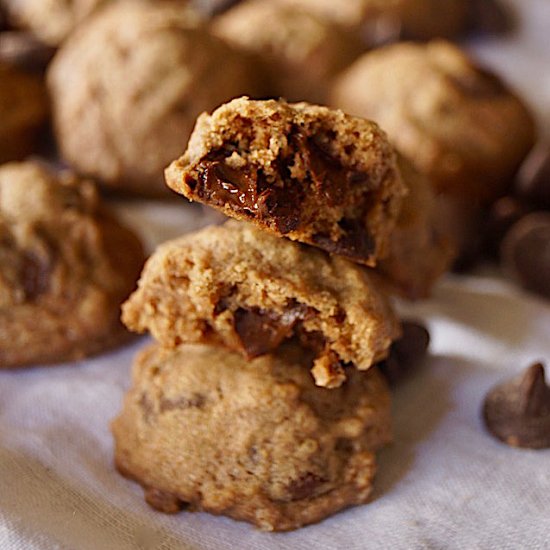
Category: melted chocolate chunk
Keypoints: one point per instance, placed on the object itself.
(518, 411)
(305, 486)
(34, 275)
(262, 331)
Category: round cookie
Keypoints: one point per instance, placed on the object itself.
(23, 112)
(302, 52)
(128, 85)
(249, 291)
(421, 247)
(203, 429)
(66, 264)
(309, 173)
(458, 124)
(50, 20)
(417, 19)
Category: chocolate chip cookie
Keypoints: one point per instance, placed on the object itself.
(456, 122)
(128, 85)
(53, 20)
(66, 264)
(236, 286)
(305, 172)
(23, 112)
(203, 429)
(421, 247)
(302, 51)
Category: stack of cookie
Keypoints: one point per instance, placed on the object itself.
(224, 415)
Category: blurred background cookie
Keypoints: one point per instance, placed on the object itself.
(128, 85)
(66, 264)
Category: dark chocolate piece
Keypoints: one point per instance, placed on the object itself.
(525, 253)
(24, 51)
(518, 411)
(34, 275)
(406, 353)
(491, 17)
(306, 486)
(533, 181)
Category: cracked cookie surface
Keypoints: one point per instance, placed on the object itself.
(204, 429)
(66, 264)
(249, 291)
(305, 172)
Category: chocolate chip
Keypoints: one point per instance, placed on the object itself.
(533, 181)
(501, 216)
(406, 353)
(525, 253)
(34, 275)
(23, 50)
(355, 243)
(305, 486)
(163, 501)
(491, 17)
(518, 411)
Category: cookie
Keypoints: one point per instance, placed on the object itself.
(66, 264)
(305, 172)
(128, 85)
(50, 21)
(23, 112)
(457, 123)
(204, 430)
(249, 291)
(302, 52)
(418, 19)
(422, 247)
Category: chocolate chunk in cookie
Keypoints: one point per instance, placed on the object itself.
(304, 172)
(66, 264)
(264, 445)
(250, 291)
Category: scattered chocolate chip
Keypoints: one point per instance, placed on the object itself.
(406, 353)
(163, 501)
(525, 253)
(356, 242)
(503, 213)
(491, 17)
(306, 486)
(518, 411)
(533, 182)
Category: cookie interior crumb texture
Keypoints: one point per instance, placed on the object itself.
(309, 173)
(249, 291)
(203, 429)
(66, 264)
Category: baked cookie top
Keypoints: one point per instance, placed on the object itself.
(309, 173)
(128, 85)
(204, 429)
(456, 122)
(236, 286)
(302, 51)
(66, 264)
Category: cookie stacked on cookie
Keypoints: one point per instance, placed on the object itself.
(224, 415)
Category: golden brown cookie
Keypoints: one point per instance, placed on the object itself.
(301, 51)
(457, 123)
(128, 85)
(235, 286)
(23, 112)
(203, 429)
(419, 19)
(301, 171)
(421, 247)
(66, 264)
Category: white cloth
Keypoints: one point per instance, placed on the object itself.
(444, 483)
